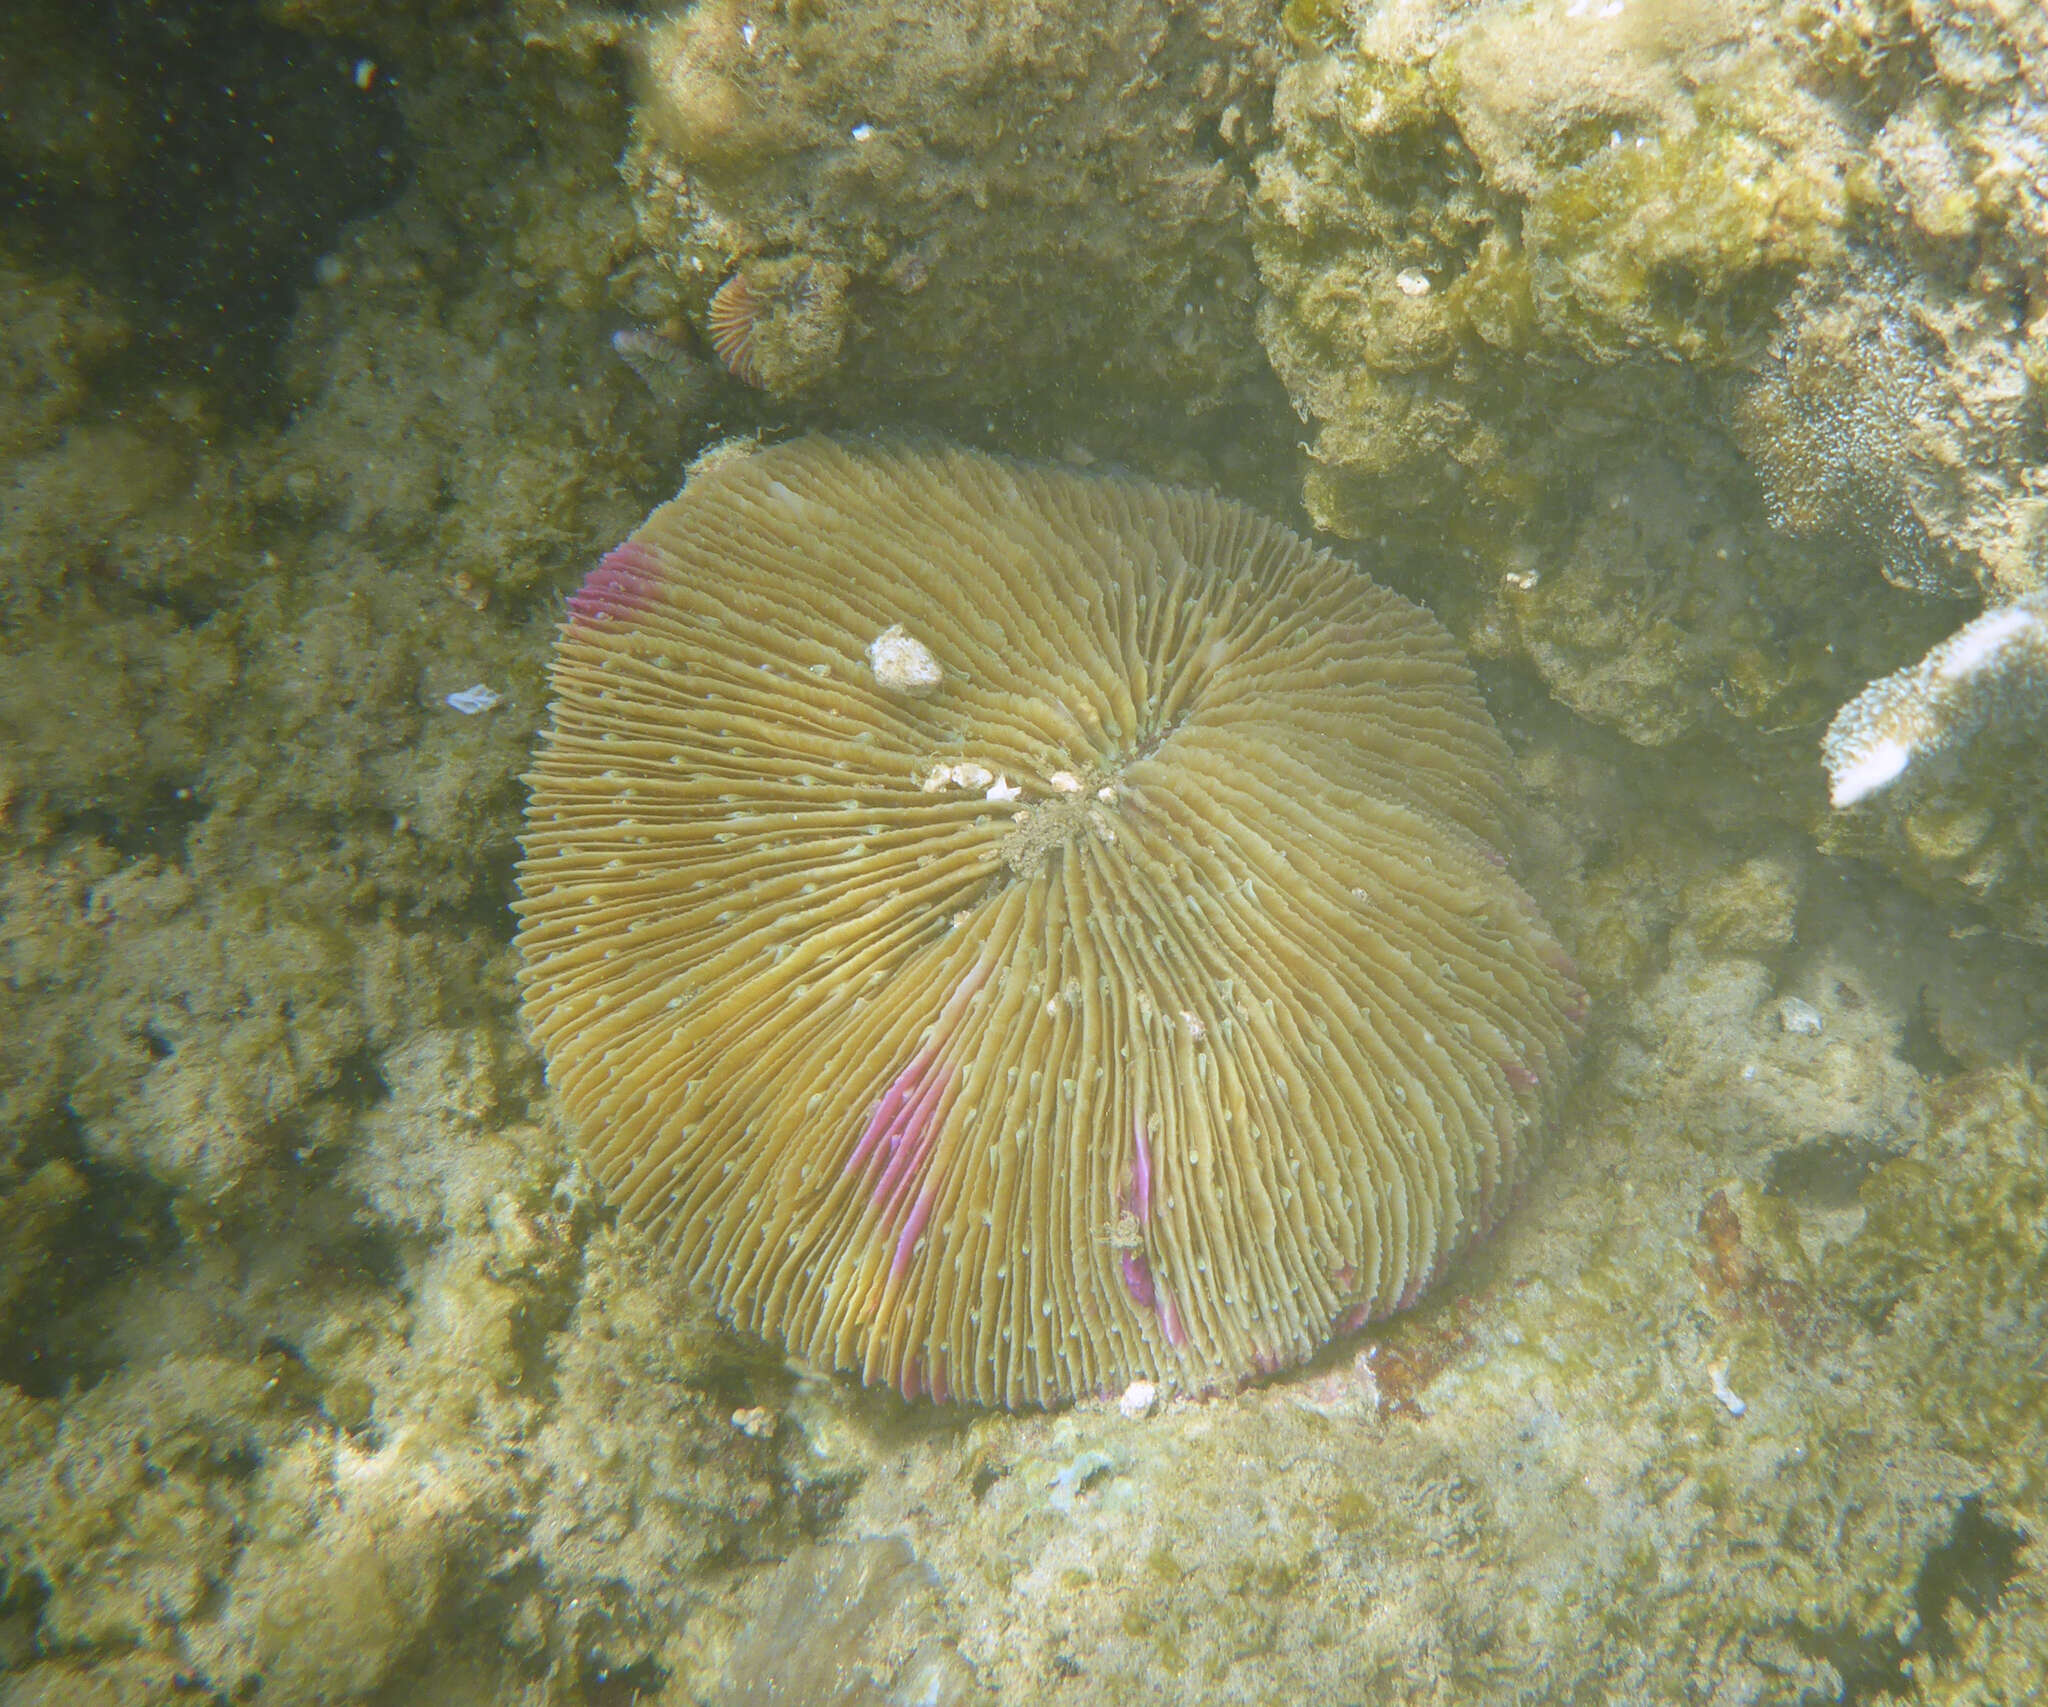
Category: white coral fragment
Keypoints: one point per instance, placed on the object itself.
(1139, 1399)
(902, 663)
(472, 700)
(963, 773)
(1800, 1019)
(1996, 664)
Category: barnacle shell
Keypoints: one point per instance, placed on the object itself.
(1209, 1028)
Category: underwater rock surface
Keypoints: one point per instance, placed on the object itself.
(1665, 330)
(327, 1374)
(955, 213)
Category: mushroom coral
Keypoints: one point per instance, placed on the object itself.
(1008, 932)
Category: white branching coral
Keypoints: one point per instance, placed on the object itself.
(1989, 671)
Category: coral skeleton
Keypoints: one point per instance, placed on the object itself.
(1987, 671)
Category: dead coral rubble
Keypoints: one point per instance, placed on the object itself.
(967, 209)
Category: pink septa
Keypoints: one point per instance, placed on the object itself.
(911, 1142)
(1519, 1076)
(912, 1384)
(1139, 1200)
(883, 1121)
(621, 585)
(1169, 1320)
(1138, 1280)
(906, 1241)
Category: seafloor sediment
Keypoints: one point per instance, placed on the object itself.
(1694, 381)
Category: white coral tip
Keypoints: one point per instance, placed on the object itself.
(1861, 774)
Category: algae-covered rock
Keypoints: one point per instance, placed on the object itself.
(1937, 769)
(660, 1465)
(967, 209)
(848, 1625)
(1647, 333)
(54, 331)
(123, 1507)
(1949, 1272)
(1514, 255)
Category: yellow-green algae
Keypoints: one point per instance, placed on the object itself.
(1659, 332)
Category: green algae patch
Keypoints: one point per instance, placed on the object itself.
(1678, 245)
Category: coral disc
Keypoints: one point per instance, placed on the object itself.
(730, 324)
(1139, 990)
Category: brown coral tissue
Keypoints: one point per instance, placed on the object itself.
(1008, 932)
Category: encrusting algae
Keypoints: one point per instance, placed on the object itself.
(1133, 989)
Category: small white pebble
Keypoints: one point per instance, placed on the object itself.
(1139, 1399)
(1801, 1019)
(1066, 782)
(472, 700)
(1003, 789)
(1412, 283)
(1717, 1379)
(861, 132)
(902, 663)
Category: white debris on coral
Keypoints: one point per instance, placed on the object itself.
(1717, 1381)
(902, 663)
(470, 701)
(1003, 789)
(1986, 667)
(962, 773)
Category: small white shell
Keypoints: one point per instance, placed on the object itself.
(1801, 1019)
(1139, 1399)
(470, 701)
